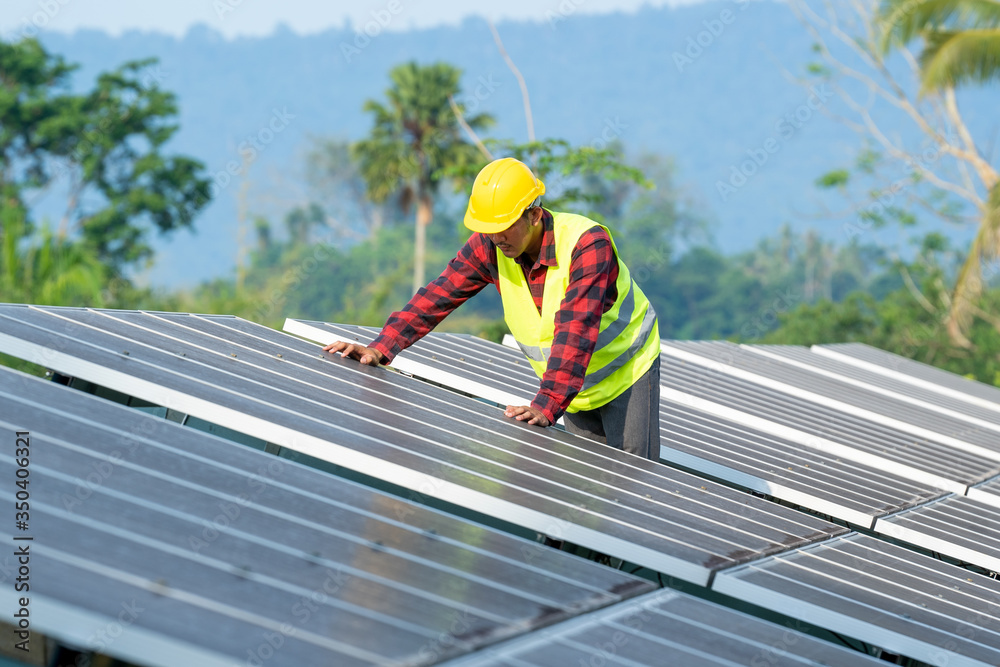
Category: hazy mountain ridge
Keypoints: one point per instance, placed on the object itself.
(588, 76)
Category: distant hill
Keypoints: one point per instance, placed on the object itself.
(588, 76)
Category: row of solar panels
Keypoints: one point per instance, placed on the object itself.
(431, 443)
(745, 415)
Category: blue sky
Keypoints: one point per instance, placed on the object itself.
(259, 17)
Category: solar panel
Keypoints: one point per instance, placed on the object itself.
(924, 399)
(779, 467)
(822, 428)
(846, 490)
(667, 628)
(882, 594)
(988, 492)
(161, 544)
(965, 529)
(465, 363)
(744, 363)
(914, 372)
(427, 440)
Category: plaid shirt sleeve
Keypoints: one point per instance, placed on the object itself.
(590, 294)
(470, 270)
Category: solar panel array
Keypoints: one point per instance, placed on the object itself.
(426, 440)
(208, 552)
(882, 594)
(913, 372)
(693, 438)
(870, 380)
(848, 439)
(667, 628)
(744, 362)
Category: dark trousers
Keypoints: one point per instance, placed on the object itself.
(630, 422)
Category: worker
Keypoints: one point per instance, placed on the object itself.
(586, 328)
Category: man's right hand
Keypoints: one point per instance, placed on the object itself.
(366, 355)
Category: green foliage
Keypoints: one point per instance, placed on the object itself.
(898, 324)
(834, 179)
(415, 136)
(961, 38)
(415, 140)
(105, 146)
(909, 321)
(41, 268)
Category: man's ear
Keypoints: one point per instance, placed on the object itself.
(536, 215)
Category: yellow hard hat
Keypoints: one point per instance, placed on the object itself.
(503, 189)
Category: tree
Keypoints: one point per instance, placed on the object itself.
(415, 137)
(949, 172)
(961, 38)
(901, 322)
(105, 147)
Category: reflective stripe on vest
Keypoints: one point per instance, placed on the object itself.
(628, 340)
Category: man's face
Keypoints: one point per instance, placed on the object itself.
(516, 239)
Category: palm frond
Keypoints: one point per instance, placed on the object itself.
(902, 21)
(951, 58)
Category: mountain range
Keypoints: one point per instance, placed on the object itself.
(707, 85)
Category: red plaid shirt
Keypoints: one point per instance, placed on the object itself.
(590, 294)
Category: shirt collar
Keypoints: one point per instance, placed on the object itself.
(547, 253)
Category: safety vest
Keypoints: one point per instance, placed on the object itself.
(628, 340)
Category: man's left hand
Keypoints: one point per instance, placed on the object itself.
(527, 413)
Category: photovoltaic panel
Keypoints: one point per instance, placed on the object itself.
(744, 363)
(882, 594)
(924, 399)
(908, 370)
(426, 440)
(965, 529)
(666, 628)
(808, 477)
(823, 428)
(461, 362)
(163, 545)
(696, 440)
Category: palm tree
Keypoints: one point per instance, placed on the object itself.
(415, 138)
(961, 38)
(961, 45)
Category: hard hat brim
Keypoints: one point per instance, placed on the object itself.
(489, 227)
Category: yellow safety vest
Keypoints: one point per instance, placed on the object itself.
(628, 340)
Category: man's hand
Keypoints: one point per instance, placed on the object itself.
(527, 413)
(366, 355)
